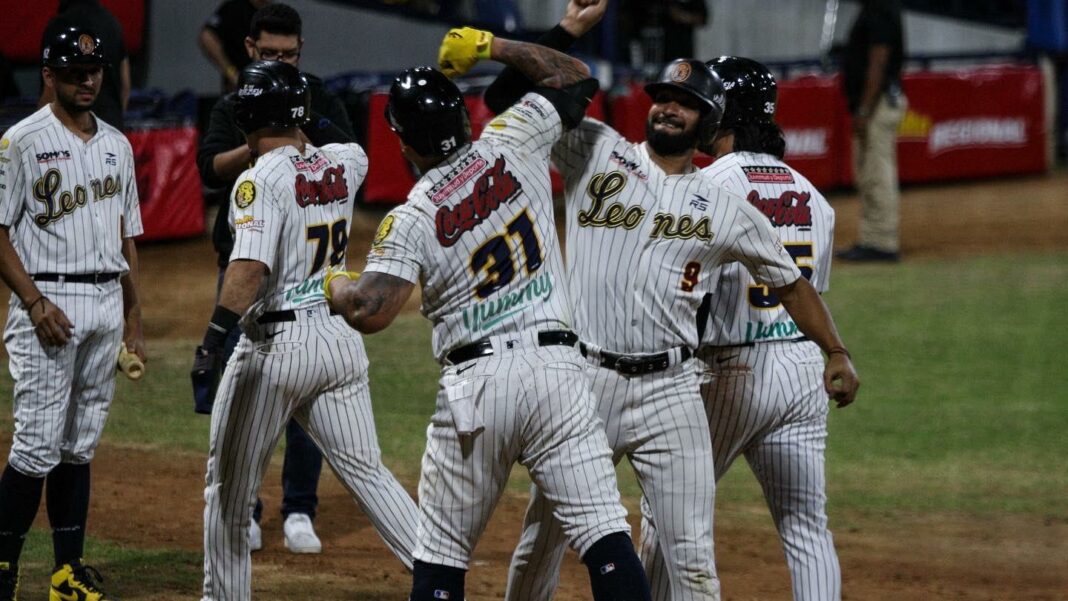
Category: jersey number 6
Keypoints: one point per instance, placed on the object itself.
(495, 255)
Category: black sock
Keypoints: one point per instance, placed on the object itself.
(67, 497)
(20, 495)
(433, 582)
(616, 573)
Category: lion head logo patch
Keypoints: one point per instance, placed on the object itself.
(681, 72)
(245, 194)
(86, 43)
(383, 232)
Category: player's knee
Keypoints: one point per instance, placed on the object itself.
(434, 582)
(616, 574)
(33, 464)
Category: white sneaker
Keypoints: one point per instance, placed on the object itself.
(300, 535)
(255, 537)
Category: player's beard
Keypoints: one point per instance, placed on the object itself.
(70, 102)
(665, 144)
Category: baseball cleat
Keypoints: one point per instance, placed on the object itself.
(255, 536)
(77, 582)
(300, 534)
(9, 582)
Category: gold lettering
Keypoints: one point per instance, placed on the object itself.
(601, 188)
(55, 208)
(666, 226)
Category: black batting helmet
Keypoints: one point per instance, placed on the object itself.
(693, 77)
(427, 111)
(73, 46)
(751, 90)
(271, 94)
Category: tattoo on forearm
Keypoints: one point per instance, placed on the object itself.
(544, 66)
(375, 293)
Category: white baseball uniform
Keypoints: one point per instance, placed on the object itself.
(762, 380)
(641, 245)
(478, 233)
(68, 204)
(295, 359)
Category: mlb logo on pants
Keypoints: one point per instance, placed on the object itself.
(608, 567)
(440, 594)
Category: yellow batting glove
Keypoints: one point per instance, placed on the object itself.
(332, 274)
(462, 48)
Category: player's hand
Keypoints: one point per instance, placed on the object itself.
(462, 48)
(840, 379)
(134, 338)
(582, 15)
(50, 323)
(206, 372)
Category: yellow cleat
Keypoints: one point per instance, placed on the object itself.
(76, 582)
(9, 582)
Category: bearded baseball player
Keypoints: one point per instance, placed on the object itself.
(478, 233)
(760, 376)
(645, 232)
(295, 359)
(68, 214)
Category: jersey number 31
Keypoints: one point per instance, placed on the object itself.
(495, 255)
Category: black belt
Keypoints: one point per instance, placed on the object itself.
(76, 278)
(483, 348)
(637, 364)
(281, 316)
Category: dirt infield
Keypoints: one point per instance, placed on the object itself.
(886, 556)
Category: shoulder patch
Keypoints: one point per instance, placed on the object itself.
(245, 194)
(4, 143)
(768, 175)
(384, 230)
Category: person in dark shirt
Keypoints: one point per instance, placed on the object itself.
(115, 88)
(222, 39)
(871, 77)
(274, 34)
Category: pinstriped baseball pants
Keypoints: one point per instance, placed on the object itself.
(767, 402)
(658, 422)
(535, 408)
(63, 393)
(314, 370)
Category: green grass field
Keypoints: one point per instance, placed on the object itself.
(963, 406)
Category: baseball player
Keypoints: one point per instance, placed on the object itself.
(760, 377)
(478, 233)
(68, 214)
(290, 214)
(275, 33)
(645, 232)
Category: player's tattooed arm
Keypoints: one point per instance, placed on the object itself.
(808, 310)
(543, 66)
(371, 302)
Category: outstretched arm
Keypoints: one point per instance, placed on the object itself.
(368, 302)
(814, 320)
(463, 48)
(579, 18)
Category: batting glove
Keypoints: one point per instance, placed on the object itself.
(462, 48)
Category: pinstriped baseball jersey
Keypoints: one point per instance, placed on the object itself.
(64, 197)
(743, 311)
(478, 233)
(640, 293)
(68, 203)
(300, 203)
(291, 212)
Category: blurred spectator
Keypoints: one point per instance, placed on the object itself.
(871, 76)
(115, 89)
(222, 39)
(274, 34)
